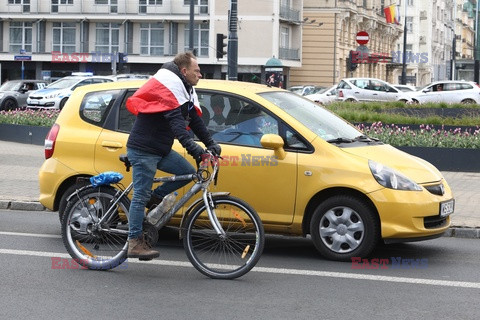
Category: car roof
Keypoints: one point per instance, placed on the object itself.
(240, 87)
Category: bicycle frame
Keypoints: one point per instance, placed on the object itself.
(202, 179)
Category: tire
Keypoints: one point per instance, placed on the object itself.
(350, 100)
(89, 244)
(62, 103)
(63, 200)
(9, 104)
(229, 257)
(344, 227)
(468, 101)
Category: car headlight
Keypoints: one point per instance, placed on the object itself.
(390, 178)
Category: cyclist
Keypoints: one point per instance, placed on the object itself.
(163, 105)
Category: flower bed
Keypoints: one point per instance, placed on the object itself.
(424, 136)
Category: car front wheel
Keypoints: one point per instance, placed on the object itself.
(344, 227)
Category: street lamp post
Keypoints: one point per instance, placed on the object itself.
(404, 58)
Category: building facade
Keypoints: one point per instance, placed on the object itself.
(57, 37)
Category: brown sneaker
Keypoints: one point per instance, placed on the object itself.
(139, 248)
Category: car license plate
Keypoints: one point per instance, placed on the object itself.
(446, 208)
(33, 102)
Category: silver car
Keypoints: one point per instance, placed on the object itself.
(369, 89)
(449, 91)
(14, 93)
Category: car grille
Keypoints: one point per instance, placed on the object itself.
(434, 222)
(437, 189)
(36, 98)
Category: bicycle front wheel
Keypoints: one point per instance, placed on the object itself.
(225, 256)
(92, 244)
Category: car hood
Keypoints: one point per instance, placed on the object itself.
(46, 91)
(413, 167)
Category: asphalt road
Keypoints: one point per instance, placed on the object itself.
(291, 281)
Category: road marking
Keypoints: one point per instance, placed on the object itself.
(6, 233)
(299, 272)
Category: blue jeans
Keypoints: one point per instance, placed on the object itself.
(144, 166)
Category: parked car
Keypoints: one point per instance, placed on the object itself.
(448, 91)
(304, 169)
(405, 87)
(369, 89)
(305, 90)
(14, 93)
(324, 96)
(56, 94)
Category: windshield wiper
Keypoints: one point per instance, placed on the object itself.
(340, 140)
(364, 138)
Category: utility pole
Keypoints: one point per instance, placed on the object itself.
(475, 49)
(192, 26)
(232, 48)
(404, 60)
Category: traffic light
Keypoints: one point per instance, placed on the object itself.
(220, 45)
(351, 66)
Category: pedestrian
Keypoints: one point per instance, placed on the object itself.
(163, 105)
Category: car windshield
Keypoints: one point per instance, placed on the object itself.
(319, 120)
(63, 83)
(10, 86)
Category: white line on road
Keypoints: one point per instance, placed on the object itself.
(6, 233)
(299, 272)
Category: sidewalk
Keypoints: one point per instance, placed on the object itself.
(19, 165)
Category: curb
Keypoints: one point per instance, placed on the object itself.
(453, 232)
(22, 205)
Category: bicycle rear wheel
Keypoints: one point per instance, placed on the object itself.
(91, 244)
(229, 256)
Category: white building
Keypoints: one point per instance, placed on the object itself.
(148, 32)
(430, 32)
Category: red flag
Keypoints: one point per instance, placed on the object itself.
(162, 92)
(390, 14)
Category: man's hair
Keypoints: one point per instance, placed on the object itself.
(183, 60)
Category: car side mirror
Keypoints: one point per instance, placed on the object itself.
(275, 142)
(23, 90)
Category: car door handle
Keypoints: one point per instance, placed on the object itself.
(375, 94)
(356, 92)
(112, 144)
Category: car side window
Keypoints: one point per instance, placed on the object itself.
(125, 117)
(95, 106)
(236, 121)
(362, 84)
(465, 86)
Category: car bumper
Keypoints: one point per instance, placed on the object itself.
(43, 104)
(411, 214)
(51, 174)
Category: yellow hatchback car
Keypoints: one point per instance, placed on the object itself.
(314, 173)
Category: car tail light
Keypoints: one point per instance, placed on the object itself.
(340, 93)
(50, 141)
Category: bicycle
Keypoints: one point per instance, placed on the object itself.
(223, 236)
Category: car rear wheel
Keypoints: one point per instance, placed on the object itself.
(344, 227)
(9, 104)
(468, 101)
(350, 100)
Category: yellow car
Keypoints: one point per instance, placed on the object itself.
(304, 169)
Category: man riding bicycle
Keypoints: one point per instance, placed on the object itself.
(163, 105)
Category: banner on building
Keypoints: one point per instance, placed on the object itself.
(392, 14)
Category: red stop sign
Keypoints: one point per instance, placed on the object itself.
(362, 37)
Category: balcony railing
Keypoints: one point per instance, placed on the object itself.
(289, 54)
(289, 14)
